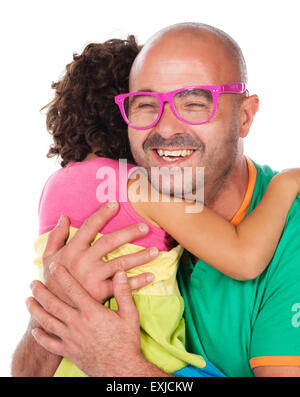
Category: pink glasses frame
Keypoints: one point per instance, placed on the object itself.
(216, 90)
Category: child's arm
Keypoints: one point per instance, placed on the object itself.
(241, 252)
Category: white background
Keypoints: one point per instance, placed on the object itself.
(38, 39)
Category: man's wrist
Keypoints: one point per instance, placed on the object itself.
(31, 359)
(146, 369)
(136, 366)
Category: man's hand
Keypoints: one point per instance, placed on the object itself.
(100, 341)
(85, 262)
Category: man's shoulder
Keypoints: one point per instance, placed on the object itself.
(288, 249)
(264, 174)
(286, 259)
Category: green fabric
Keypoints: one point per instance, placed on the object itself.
(229, 322)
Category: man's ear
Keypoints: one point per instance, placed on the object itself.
(248, 109)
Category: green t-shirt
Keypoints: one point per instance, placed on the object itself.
(231, 322)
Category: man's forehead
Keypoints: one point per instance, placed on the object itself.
(197, 55)
(174, 52)
(167, 74)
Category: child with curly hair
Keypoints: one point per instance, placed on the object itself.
(90, 135)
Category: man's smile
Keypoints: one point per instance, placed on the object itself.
(174, 155)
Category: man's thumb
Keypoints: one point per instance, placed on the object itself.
(57, 237)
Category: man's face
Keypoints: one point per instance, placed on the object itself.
(171, 65)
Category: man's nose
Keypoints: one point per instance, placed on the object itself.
(168, 123)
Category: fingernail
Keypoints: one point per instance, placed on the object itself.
(60, 219)
(34, 332)
(122, 277)
(153, 251)
(143, 228)
(133, 283)
(32, 285)
(112, 204)
(149, 277)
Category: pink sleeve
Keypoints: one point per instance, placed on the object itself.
(80, 188)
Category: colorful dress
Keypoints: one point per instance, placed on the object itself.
(77, 191)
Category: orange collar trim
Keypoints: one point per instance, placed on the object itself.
(242, 212)
(274, 361)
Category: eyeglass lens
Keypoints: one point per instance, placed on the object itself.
(194, 106)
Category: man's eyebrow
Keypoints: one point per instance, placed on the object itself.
(134, 97)
(144, 90)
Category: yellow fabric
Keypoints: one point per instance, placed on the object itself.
(160, 307)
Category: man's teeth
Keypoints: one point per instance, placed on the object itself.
(166, 154)
(170, 158)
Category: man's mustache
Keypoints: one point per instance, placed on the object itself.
(180, 140)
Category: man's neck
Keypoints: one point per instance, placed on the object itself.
(231, 195)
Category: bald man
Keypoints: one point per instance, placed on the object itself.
(244, 328)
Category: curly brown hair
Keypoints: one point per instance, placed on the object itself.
(83, 115)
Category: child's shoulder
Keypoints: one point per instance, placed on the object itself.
(86, 172)
(79, 189)
(92, 163)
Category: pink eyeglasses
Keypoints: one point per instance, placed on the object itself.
(193, 105)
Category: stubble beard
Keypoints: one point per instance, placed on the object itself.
(217, 165)
(217, 176)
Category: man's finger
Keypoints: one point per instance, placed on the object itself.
(71, 287)
(140, 281)
(106, 290)
(123, 295)
(127, 262)
(93, 224)
(50, 302)
(51, 343)
(57, 237)
(113, 240)
(46, 320)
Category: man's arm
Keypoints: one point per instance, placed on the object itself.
(275, 338)
(100, 341)
(32, 360)
(277, 371)
(85, 263)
